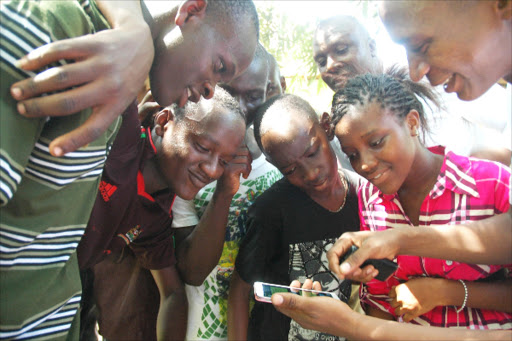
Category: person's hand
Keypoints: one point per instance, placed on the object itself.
(109, 70)
(148, 108)
(415, 297)
(372, 245)
(229, 182)
(324, 314)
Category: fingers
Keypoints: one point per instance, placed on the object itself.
(365, 275)
(334, 254)
(286, 303)
(89, 131)
(317, 286)
(53, 79)
(75, 48)
(295, 284)
(71, 101)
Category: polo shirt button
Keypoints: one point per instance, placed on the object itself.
(449, 262)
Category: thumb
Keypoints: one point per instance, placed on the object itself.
(285, 302)
(354, 261)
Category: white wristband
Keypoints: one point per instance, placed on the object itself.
(465, 296)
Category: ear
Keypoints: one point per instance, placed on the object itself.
(412, 121)
(504, 8)
(190, 9)
(326, 123)
(161, 120)
(283, 83)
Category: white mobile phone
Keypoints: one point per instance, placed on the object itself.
(263, 291)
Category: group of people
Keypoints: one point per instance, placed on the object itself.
(153, 219)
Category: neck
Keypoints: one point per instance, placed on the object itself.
(335, 199)
(423, 173)
(153, 180)
(160, 17)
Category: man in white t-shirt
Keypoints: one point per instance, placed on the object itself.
(207, 315)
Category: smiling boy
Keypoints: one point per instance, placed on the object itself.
(293, 223)
(184, 150)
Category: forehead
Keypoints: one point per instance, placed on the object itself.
(284, 145)
(342, 31)
(360, 120)
(404, 19)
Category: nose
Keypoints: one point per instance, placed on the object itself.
(417, 67)
(310, 173)
(330, 63)
(367, 162)
(208, 90)
(243, 105)
(211, 167)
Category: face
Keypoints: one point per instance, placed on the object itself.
(249, 89)
(303, 155)
(194, 153)
(191, 59)
(274, 86)
(465, 49)
(343, 51)
(379, 148)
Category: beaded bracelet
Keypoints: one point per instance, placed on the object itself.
(465, 296)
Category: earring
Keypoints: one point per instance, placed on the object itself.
(415, 132)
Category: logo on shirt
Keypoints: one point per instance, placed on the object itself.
(131, 235)
(107, 190)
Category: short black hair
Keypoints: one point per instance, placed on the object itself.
(237, 10)
(394, 90)
(221, 97)
(287, 101)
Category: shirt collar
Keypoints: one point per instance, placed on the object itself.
(455, 175)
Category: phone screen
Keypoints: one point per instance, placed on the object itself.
(269, 290)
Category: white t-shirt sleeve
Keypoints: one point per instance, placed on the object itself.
(184, 213)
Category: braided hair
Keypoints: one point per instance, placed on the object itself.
(394, 90)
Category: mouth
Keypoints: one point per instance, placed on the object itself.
(198, 180)
(378, 177)
(319, 183)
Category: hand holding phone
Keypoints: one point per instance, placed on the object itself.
(385, 267)
(264, 291)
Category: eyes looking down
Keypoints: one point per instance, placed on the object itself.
(193, 57)
(380, 147)
(462, 45)
(195, 149)
(301, 151)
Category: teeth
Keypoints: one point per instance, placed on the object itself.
(189, 92)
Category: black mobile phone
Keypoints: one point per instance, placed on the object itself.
(385, 266)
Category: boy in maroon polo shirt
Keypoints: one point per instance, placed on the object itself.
(184, 150)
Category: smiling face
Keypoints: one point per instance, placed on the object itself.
(249, 89)
(379, 147)
(195, 149)
(192, 58)
(299, 148)
(464, 45)
(343, 49)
